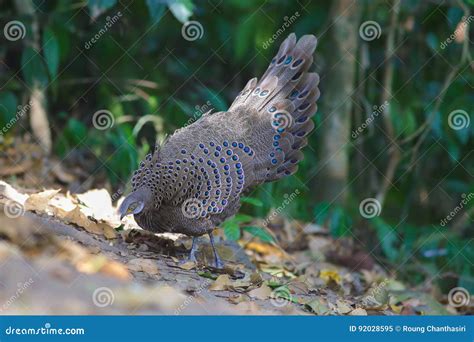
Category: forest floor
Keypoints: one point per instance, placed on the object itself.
(63, 253)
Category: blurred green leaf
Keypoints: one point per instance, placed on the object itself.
(259, 232)
(232, 231)
(51, 52)
(8, 107)
(253, 201)
(33, 67)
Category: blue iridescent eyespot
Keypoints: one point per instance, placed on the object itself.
(218, 148)
(206, 151)
(216, 154)
(276, 137)
(297, 62)
(234, 157)
(280, 130)
(222, 160)
(246, 149)
(226, 167)
(238, 165)
(211, 143)
(275, 143)
(272, 109)
(229, 152)
(272, 154)
(241, 145)
(201, 145)
(225, 143)
(288, 60)
(274, 161)
(183, 151)
(282, 58)
(234, 144)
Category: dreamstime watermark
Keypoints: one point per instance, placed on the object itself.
(21, 111)
(46, 330)
(282, 120)
(374, 292)
(281, 296)
(199, 111)
(369, 208)
(191, 208)
(103, 119)
(370, 30)
(191, 298)
(102, 297)
(192, 30)
(460, 29)
(21, 288)
(288, 199)
(458, 119)
(458, 297)
(465, 200)
(288, 21)
(11, 208)
(109, 22)
(14, 30)
(377, 110)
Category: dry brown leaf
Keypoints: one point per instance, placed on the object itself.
(358, 312)
(143, 265)
(188, 265)
(342, 308)
(263, 292)
(318, 306)
(39, 202)
(79, 218)
(222, 283)
(330, 276)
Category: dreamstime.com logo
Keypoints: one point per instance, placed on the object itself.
(458, 297)
(370, 30)
(14, 30)
(103, 119)
(12, 209)
(191, 208)
(369, 208)
(281, 296)
(288, 21)
(102, 297)
(192, 30)
(47, 329)
(458, 119)
(465, 200)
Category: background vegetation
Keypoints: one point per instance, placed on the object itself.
(153, 81)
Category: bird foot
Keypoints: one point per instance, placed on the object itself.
(218, 264)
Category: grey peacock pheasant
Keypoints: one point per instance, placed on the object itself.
(193, 181)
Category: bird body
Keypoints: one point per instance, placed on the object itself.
(193, 181)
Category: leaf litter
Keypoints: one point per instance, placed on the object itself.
(266, 279)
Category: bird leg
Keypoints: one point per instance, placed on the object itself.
(192, 252)
(217, 260)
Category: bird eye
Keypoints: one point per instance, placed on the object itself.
(132, 207)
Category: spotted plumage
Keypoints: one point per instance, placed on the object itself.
(193, 181)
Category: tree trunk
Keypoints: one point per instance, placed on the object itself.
(337, 89)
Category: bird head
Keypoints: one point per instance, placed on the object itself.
(135, 202)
